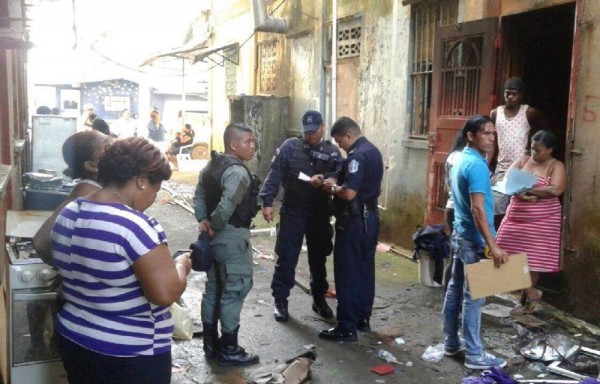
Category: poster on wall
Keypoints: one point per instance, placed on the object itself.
(116, 103)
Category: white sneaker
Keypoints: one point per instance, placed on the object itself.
(484, 361)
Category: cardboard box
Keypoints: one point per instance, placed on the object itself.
(486, 280)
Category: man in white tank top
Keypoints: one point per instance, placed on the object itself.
(515, 124)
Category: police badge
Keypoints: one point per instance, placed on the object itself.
(353, 166)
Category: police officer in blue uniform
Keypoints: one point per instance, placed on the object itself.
(356, 230)
(301, 165)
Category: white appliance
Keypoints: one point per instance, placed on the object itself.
(48, 134)
(29, 307)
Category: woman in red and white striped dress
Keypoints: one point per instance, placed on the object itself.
(532, 224)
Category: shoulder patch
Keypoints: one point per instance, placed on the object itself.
(353, 166)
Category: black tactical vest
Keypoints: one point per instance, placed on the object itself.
(299, 193)
(211, 180)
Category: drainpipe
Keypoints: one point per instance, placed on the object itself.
(323, 85)
(264, 22)
(334, 28)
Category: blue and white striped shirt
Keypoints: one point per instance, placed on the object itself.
(94, 246)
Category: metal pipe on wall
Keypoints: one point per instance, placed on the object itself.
(323, 85)
(334, 28)
(264, 22)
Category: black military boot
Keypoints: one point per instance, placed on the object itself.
(321, 307)
(230, 353)
(281, 310)
(210, 335)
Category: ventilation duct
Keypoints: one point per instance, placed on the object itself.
(264, 22)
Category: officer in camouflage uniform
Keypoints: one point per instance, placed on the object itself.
(305, 211)
(225, 204)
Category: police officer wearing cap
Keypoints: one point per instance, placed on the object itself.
(356, 230)
(301, 165)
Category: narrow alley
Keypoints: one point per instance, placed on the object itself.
(403, 309)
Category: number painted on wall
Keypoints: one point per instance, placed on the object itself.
(589, 108)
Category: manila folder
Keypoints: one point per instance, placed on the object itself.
(486, 280)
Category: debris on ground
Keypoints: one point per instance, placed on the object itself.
(383, 369)
(295, 371)
(382, 247)
(434, 353)
(496, 310)
(386, 356)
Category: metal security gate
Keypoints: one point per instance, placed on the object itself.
(463, 85)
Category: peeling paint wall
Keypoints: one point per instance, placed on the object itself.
(382, 98)
(581, 271)
(385, 119)
(304, 78)
(230, 22)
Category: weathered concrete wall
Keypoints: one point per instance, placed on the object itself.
(481, 9)
(305, 78)
(231, 21)
(382, 101)
(582, 265)
(385, 119)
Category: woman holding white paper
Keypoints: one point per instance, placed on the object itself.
(532, 224)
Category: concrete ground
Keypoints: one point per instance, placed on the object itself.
(403, 308)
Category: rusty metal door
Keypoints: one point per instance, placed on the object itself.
(464, 65)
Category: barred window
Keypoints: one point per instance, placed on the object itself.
(348, 38)
(268, 66)
(425, 19)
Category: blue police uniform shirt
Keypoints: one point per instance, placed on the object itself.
(363, 170)
(280, 165)
(471, 175)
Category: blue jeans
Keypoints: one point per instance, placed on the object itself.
(465, 252)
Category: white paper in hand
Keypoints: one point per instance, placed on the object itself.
(303, 176)
(516, 181)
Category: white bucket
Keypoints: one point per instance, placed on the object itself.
(427, 269)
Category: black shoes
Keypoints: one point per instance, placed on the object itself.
(321, 307)
(281, 310)
(335, 334)
(230, 353)
(363, 325)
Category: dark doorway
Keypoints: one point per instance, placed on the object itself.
(537, 46)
